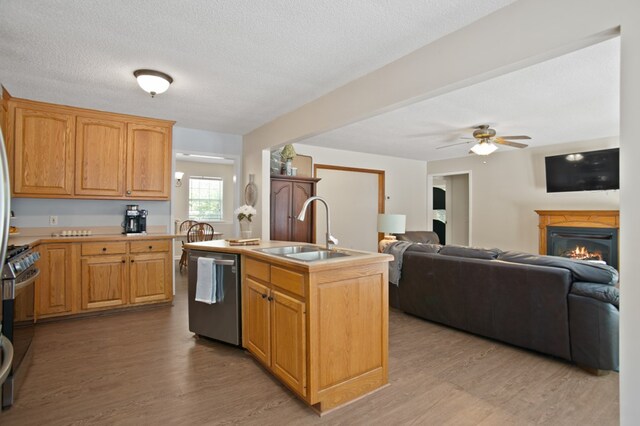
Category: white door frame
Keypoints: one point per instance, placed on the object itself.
(430, 198)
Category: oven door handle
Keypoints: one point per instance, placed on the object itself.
(7, 359)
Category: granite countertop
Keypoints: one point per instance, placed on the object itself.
(357, 257)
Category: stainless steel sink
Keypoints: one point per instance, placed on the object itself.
(286, 250)
(316, 255)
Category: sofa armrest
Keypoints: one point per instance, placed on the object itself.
(602, 292)
(593, 326)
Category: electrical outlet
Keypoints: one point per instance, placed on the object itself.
(53, 220)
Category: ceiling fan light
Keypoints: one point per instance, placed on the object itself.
(153, 82)
(484, 148)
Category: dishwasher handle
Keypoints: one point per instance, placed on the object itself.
(7, 359)
(221, 262)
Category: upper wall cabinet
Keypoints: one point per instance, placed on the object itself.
(100, 157)
(148, 161)
(65, 152)
(44, 152)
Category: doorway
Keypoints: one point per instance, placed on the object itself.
(356, 196)
(449, 210)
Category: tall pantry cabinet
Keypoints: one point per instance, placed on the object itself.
(288, 194)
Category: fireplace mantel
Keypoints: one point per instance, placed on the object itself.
(575, 218)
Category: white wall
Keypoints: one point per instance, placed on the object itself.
(405, 180)
(511, 185)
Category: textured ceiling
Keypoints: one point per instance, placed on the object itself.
(236, 64)
(570, 98)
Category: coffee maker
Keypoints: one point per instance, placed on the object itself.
(135, 220)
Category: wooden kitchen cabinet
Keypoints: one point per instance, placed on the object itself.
(100, 157)
(148, 161)
(103, 282)
(150, 277)
(55, 285)
(288, 194)
(275, 330)
(44, 151)
(101, 275)
(257, 328)
(66, 152)
(325, 335)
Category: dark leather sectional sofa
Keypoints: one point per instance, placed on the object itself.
(552, 305)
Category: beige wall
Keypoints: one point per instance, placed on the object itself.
(496, 44)
(457, 199)
(405, 180)
(511, 185)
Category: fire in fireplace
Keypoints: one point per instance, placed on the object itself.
(582, 253)
(592, 244)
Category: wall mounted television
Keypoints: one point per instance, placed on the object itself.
(583, 171)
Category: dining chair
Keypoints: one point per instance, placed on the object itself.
(183, 229)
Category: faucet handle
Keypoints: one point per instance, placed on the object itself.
(333, 240)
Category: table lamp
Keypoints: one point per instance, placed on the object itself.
(390, 224)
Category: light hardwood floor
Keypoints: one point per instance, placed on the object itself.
(146, 367)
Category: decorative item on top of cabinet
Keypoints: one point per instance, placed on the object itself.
(288, 194)
(65, 152)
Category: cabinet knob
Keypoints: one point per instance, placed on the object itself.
(128, 192)
(122, 260)
(150, 247)
(131, 260)
(270, 299)
(104, 249)
(264, 296)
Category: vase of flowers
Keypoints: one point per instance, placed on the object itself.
(244, 214)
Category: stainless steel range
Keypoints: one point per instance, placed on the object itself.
(18, 276)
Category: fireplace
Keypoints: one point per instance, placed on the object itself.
(593, 244)
(580, 234)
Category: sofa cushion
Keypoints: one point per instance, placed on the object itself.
(602, 292)
(425, 248)
(424, 237)
(581, 270)
(471, 252)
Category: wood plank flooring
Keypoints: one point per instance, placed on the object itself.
(145, 367)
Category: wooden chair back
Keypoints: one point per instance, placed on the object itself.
(200, 232)
(185, 225)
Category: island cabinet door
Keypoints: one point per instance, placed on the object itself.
(150, 277)
(103, 281)
(288, 348)
(257, 327)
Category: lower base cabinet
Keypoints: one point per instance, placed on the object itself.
(83, 277)
(323, 333)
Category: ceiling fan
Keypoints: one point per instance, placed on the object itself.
(486, 141)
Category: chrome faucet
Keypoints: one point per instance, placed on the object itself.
(331, 240)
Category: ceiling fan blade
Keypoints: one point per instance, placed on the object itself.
(450, 145)
(516, 137)
(501, 141)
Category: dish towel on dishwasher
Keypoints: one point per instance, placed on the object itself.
(206, 286)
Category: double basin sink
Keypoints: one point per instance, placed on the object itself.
(304, 253)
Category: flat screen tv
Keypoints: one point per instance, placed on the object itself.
(584, 171)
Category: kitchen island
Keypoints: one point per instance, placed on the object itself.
(320, 327)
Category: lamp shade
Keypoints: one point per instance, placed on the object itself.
(484, 148)
(153, 82)
(392, 223)
(179, 175)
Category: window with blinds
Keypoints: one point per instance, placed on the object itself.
(205, 198)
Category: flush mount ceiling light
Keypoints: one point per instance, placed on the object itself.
(484, 147)
(153, 82)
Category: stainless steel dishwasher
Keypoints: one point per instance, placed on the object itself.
(220, 320)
